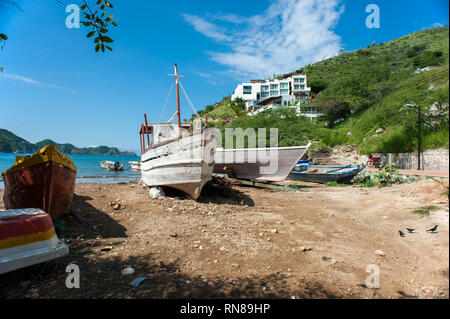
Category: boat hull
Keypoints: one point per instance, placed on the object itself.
(253, 164)
(27, 237)
(342, 177)
(48, 185)
(185, 163)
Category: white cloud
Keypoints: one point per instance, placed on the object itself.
(206, 28)
(285, 37)
(29, 80)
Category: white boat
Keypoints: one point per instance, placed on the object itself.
(135, 165)
(27, 237)
(176, 156)
(111, 166)
(271, 164)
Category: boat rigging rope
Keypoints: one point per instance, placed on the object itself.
(189, 101)
(165, 104)
(173, 116)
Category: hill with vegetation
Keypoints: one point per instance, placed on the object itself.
(11, 143)
(363, 94)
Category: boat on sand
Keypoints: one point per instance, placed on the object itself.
(44, 180)
(325, 173)
(177, 156)
(27, 237)
(259, 164)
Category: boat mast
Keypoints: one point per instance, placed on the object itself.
(178, 97)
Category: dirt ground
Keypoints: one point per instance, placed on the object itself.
(254, 243)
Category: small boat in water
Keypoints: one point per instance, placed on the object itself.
(111, 166)
(306, 172)
(27, 237)
(177, 156)
(259, 164)
(135, 165)
(44, 180)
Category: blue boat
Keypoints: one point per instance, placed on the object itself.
(306, 172)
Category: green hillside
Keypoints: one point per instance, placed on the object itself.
(364, 91)
(11, 143)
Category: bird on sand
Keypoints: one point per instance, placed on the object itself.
(433, 229)
(401, 233)
(411, 230)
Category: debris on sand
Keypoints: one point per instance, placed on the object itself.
(379, 252)
(128, 271)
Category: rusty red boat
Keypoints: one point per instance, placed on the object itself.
(44, 180)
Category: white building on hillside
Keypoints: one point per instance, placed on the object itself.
(288, 91)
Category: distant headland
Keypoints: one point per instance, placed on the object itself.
(11, 143)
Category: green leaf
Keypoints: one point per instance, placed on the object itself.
(103, 47)
(107, 39)
(96, 40)
(103, 30)
(90, 34)
(86, 24)
(99, 1)
(97, 47)
(114, 24)
(109, 48)
(83, 7)
(3, 36)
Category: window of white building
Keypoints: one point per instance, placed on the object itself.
(247, 89)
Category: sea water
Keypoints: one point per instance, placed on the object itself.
(88, 168)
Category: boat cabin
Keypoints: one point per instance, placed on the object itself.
(161, 132)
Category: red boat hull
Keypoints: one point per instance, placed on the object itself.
(48, 186)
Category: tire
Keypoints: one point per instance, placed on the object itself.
(369, 163)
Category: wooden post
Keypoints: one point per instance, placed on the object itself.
(178, 100)
(142, 138)
(146, 129)
(176, 76)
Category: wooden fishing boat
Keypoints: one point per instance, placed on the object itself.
(325, 173)
(177, 156)
(27, 237)
(44, 180)
(111, 166)
(272, 164)
(135, 165)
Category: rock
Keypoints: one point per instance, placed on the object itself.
(128, 271)
(173, 234)
(156, 192)
(379, 252)
(221, 248)
(305, 248)
(235, 265)
(379, 130)
(274, 231)
(107, 248)
(349, 133)
(116, 207)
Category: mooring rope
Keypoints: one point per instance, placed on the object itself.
(165, 104)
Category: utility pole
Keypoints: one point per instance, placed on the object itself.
(419, 122)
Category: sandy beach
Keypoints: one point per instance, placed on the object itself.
(248, 243)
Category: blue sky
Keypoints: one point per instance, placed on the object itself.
(55, 86)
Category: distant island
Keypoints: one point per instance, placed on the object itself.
(11, 143)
